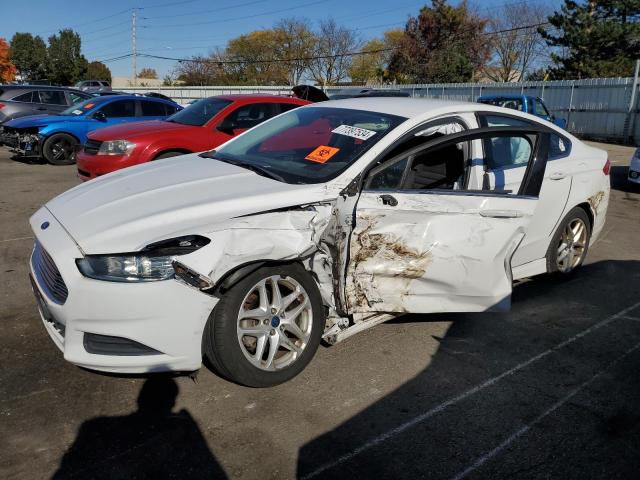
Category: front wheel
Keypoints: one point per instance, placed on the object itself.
(59, 149)
(570, 243)
(267, 327)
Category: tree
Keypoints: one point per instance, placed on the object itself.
(442, 44)
(331, 44)
(296, 42)
(598, 38)
(200, 70)
(148, 73)
(516, 49)
(7, 69)
(372, 66)
(98, 71)
(29, 55)
(65, 64)
(251, 59)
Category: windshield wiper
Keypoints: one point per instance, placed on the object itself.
(249, 166)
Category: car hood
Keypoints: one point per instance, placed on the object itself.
(126, 210)
(131, 130)
(31, 121)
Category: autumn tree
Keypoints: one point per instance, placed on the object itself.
(7, 69)
(148, 73)
(65, 64)
(442, 44)
(252, 59)
(596, 38)
(372, 65)
(29, 55)
(333, 43)
(518, 46)
(201, 70)
(98, 71)
(296, 43)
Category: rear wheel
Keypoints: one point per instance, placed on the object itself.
(266, 328)
(570, 243)
(59, 149)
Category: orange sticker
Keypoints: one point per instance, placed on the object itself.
(322, 154)
(89, 105)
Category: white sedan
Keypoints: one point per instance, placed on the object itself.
(319, 223)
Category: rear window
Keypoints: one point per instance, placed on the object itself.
(52, 97)
(25, 97)
(512, 103)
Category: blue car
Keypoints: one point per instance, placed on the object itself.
(533, 105)
(55, 137)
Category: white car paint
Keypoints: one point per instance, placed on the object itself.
(634, 168)
(457, 257)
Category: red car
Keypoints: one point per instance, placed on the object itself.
(203, 125)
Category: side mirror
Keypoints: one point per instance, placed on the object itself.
(101, 117)
(226, 126)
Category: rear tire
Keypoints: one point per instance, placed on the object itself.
(570, 243)
(59, 149)
(259, 339)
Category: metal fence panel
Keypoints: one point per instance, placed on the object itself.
(594, 108)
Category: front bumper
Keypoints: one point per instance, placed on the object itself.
(634, 175)
(92, 166)
(165, 317)
(28, 145)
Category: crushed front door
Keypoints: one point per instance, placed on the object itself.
(440, 250)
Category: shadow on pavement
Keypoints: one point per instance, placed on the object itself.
(417, 431)
(153, 442)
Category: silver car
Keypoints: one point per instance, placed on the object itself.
(93, 86)
(21, 100)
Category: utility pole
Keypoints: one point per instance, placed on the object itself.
(133, 47)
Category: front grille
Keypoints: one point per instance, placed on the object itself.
(92, 146)
(48, 275)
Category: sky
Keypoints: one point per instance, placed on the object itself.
(183, 28)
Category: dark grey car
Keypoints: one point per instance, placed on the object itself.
(93, 86)
(21, 100)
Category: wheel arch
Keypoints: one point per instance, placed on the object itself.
(237, 273)
(48, 135)
(589, 211)
(162, 151)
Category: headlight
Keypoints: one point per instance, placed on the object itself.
(116, 147)
(153, 263)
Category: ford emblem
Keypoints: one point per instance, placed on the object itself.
(44, 225)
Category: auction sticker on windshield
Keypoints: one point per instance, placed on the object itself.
(355, 132)
(322, 154)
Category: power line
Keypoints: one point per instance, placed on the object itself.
(215, 10)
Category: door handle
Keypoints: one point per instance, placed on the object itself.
(557, 175)
(388, 200)
(500, 213)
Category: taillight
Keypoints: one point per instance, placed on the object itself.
(2, 105)
(607, 167)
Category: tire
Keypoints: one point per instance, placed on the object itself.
(168, 155)
(564, 258)
(234, 352)
(59, 149)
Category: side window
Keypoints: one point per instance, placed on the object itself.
(153, 109)
(120, 108)
(25, 97)
(441, 168)
(52, 97)
(249, 116)
(285, 107)
(559, 147)
(540, 109)
(505, 152)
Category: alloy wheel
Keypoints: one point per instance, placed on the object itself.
(572, 245)
(274, 322)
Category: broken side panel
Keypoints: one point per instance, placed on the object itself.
(434, 252)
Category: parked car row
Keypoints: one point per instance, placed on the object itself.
(315, 224)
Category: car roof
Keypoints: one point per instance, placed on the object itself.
(256, 97)
(511, 96)
(401, 106)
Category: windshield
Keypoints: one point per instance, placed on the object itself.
(311, 144)
(80, 108)
(200, 112)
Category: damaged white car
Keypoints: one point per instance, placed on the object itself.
(319, 223)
